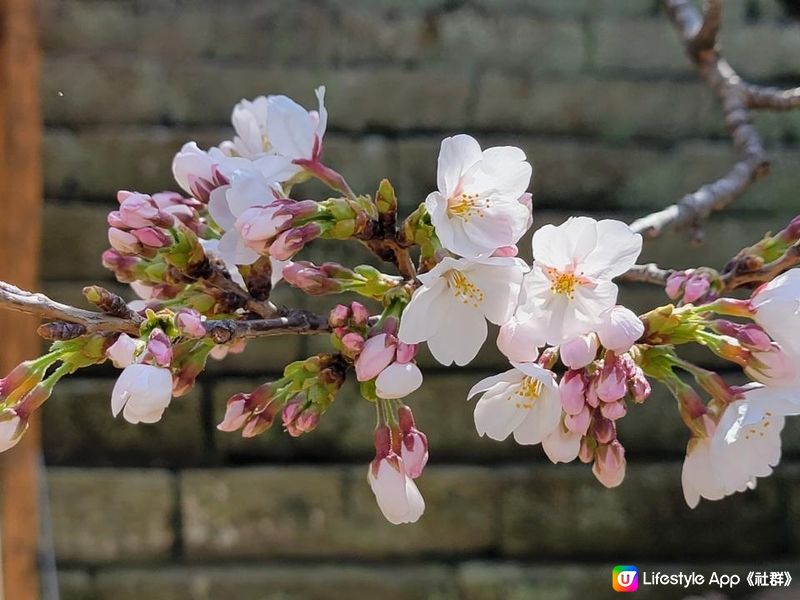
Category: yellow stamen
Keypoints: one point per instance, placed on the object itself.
(527, 393)
(563, 283)
(464, 289)
(465, 206)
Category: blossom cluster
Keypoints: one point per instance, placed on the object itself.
(203, 263)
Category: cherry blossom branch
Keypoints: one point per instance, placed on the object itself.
(772, 98)
(699, 34)
(39, 305)
(743, 273)
(70, 322)
(214, 276)
(647, 273)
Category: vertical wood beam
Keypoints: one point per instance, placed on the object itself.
(20, 216)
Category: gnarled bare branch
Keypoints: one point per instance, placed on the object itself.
(699, 34)
(70, 322)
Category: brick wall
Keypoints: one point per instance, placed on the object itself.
(598, 94)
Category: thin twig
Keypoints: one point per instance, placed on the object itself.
(13, 298)
(699, 34)
(63, 316)
(761, 97)
(647, 273)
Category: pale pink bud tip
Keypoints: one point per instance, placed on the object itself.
(190, 322)
(377, 354)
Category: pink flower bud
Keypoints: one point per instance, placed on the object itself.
(609, 464)
(639, 386)
(352, 344)
(414, 445)
(291, 241)
(620, 329)
(580, 422)
(613, 410)
(572, 389)
(159, 348)
(506, 251)
(190, 322)
(152, 237)
(773, 368)
(405, 352)
(520, 339)
(611, 382)
(236, 413)
(398, 381)
(696, 288)
(291, 411)
(360, 314)
(591, 393)
(124, 241)
(586, 452)
(604, 430)
(579, 351)
(339, 316)
(378, 353)
(675, 283)
(305, 422)
(122, 351)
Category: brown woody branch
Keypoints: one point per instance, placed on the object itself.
(699, 33)
(648, 273)
(70, 322)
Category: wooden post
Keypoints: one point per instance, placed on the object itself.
(20, 215)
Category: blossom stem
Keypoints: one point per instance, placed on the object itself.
(333, 179)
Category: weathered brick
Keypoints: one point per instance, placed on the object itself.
(355, 582)
(637, 46)
(79, 429)
(529, 45)
(81, 228)
(778, 52)
(645, 517)
(616, 110)
(502, 580)
(95, 163)
(75, 585)
(105, 515)
(303, 511)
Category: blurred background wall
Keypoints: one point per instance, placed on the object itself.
(599, 95)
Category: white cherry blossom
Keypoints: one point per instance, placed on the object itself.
(294, 132)
(741, 448)
(142, 393)
(249, 119)
(450, 309)
(396, 493)
(524, 401)
(480, 204)
(570, 286)
(777, 310)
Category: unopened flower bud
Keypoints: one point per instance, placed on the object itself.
(586, 452)
(360, 314)
(352, 344)
(377, 354)
(620, 329)
(236, 413)
(613, 410)
(611, 381)
(122, 351)
(572, 390)
(609, 464)
(579, 423)
(159, 348)
(291, 241)
(405, 352)
(124, 241)
(639, 386)
(339, 316)
(398, 380)
(190, 322)
(675, 285)
(152, 237)
(579, 351)
(603, 429)
(696, 287)
(414, 444)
